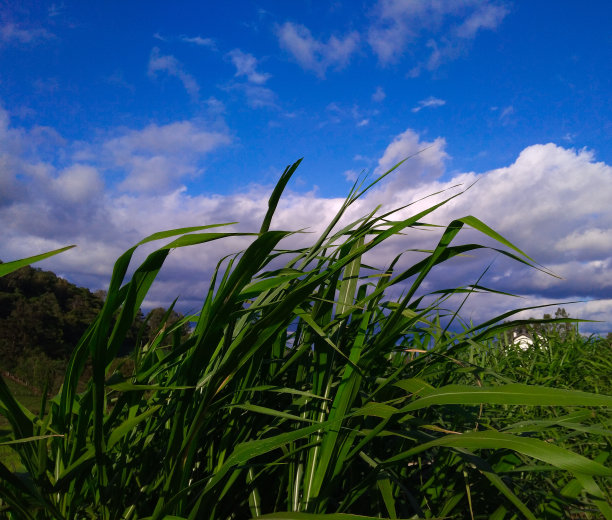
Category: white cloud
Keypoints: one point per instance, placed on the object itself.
(486, 16)
(569, 137)
(427, 163)
(398, 23)
(78, 183)
(315, 55)
(246, 65)
(430, 102)
(379, 95)
(553, 203)
(46, 208)
(157, 158)
(171, 66)
(587, 242)
(12, 33)
(337, 112)
(257, 96)
(548, 199)
(198, 40)
(506, 112)
(351, 175)
(182, 137)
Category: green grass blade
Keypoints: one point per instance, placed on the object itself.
(511, 394)
(127, 426)
(9, 267)
(348, 286)
(546, 452)
(322, 516)
(276, 194)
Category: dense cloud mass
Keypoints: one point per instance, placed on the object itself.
(552, 202)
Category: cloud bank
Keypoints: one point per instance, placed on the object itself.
(552, 202)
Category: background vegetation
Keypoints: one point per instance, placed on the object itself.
(304, 391)
(42, 318)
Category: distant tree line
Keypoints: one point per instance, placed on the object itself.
(562, 330)
(559, 331)
(42, 318)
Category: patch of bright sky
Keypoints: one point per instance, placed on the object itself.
(523, 73)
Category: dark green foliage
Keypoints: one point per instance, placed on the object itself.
(42, 319)
(159, 319)
(40, 312)
(560, 358)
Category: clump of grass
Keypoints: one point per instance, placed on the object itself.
(303, 391)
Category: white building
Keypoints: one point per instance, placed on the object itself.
(524, 340)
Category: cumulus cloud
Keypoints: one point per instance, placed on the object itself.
(315, 55)
(78, 183)
(41, 204)
(157, 158)
(398, 23)
(430, 102)
(549, 196)
(246, 65)
(586, 242)
(47, 207)
(427, 162)
(552, 202)
(171, 66)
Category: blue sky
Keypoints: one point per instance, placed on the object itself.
(123, 118)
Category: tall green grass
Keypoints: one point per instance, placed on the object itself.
(304, 391)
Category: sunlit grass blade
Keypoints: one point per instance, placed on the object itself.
(9, 267)
(546, 452)
(512, 394)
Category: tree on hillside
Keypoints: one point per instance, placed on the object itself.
(43, 316)
(563, 331)
(41, 312)
(154, 322)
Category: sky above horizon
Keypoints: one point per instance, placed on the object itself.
(121, 119)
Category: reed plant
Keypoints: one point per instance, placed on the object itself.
(305, 391)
